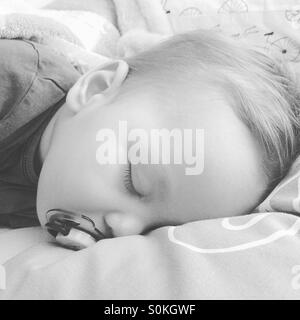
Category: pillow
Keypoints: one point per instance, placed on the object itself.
(246, 257)
(286, 196)
(272, 25)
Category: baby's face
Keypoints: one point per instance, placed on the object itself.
(123, 202)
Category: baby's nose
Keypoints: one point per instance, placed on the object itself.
(124, 224)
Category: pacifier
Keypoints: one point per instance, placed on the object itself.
(72, 230)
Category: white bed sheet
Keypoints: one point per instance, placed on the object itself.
(13, 242)
(248, 257)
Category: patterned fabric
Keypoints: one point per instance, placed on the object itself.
(272, 25)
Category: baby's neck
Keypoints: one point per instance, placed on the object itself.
(47, 137)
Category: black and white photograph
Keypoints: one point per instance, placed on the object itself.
(150, 151)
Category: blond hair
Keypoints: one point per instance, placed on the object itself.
(262, 91)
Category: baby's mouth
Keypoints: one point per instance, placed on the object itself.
(73, 230)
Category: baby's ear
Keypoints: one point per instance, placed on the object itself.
(102, 83)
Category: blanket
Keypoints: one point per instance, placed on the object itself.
(270, 25)
(86, 38)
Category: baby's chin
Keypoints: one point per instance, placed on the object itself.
(43, 201)
(41, 212)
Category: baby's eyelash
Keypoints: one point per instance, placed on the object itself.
(128, 181)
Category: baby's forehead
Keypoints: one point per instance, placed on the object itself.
(177, 108)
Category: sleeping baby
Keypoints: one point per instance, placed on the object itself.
(81, 150)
